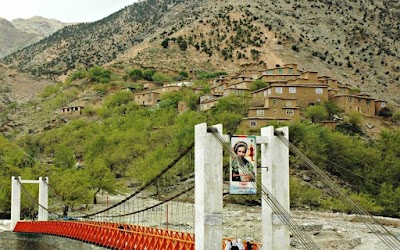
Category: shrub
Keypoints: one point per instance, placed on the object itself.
(135, 74)
(385, 112)
(396, 117)
(301, 194)
(316, 113)
(160, 78)
(99, 75)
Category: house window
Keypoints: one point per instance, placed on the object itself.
(290, 70)
(319, 91)
(260, 112)
(289, 112)
(278, 90)
(274, 101)
(280, 71)
(269, 72)
(253, 124)
(275, 111)
(265, 93)
(383, 104)
(292, 90)
(350, 99)
(269, 91)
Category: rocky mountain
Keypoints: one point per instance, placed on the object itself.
(20, 33)
(355, 42)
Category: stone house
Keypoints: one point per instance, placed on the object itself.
(274, 109)
(305, 93)
(362, 104)
(73, 110)
(379, 104)
(288, 84)
(231, 90)
(152, 97)
(208, 101)
(253, 70)
(147, 97)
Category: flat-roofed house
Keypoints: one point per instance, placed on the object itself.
(208, 101)
(147, 97)
(274, 109)
(362, 104)
(72, 110)
(379, 105)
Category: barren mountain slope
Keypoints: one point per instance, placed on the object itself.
(355, 42)
(12, 38)
(20, 33)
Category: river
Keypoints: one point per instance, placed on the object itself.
(24, 241)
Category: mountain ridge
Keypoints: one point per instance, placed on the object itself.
(20, 32)
(353, 42)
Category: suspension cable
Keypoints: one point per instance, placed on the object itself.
(335, 165)
(276, 207)
(379, 230)
(145, 185)
(154, 205)
(35, 201)
(59, 198)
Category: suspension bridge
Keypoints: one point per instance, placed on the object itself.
(193, 216)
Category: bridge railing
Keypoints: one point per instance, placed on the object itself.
(112, 235)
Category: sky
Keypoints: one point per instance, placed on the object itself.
(67, 11)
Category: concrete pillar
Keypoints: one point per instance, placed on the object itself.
(15, 200)
(43, 214)
(208, 189)
(275, 177)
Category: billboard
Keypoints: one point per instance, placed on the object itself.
(243, 166)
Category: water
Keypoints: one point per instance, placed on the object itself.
(24, 241)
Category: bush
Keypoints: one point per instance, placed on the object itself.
(135, 74)
(160, 78)
(301, 195)
(396, 117)
(99, 75)
(148, 74)
(258, 84)
(316, 113)
(385, 112)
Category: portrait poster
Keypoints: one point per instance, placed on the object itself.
(243, 167)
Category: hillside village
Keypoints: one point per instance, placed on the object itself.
(289, 91)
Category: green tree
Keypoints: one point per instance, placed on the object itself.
(233, 104)
(100, 178)
(355, 119)
(316, 113)
(332, 109)
(258, 84)
(164, 43)
(135, 74)
(170, 100)
(148, 74)
(71, 185)
(161, 78)
(99, 75)
(63, 156)
(389, 197)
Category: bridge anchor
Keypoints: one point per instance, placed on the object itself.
(16, 183)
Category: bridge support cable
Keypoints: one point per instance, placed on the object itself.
(154, 205)
(387, 237)
(145, 185)
(276, 207)
(65, 204)
(34, 201)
